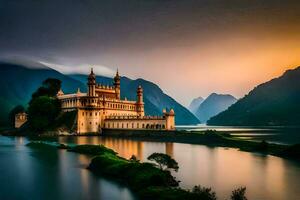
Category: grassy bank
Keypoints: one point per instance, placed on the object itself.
(145, 179)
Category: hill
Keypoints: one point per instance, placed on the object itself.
(194, 105)
(18, 82)
(275, 102)
(155, 99)
(213, 105)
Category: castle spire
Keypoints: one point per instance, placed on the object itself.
(117, 84)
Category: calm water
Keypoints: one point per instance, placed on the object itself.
(35, 175)
(266, 177)
(276, 134)
(27, 174)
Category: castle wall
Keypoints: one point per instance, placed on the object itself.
(170, 122)
(89, 120)
(135, 123)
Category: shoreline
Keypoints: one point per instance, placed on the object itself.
(209, 138)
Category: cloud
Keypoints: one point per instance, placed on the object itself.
(81, 69)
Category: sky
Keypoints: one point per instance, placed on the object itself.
(189, 48)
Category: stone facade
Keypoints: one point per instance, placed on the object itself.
(102, 108)
(20, 119)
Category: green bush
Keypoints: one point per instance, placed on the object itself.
(137, 175)
(239, 194)
(169, 193)
(92, 149)
(204, 193)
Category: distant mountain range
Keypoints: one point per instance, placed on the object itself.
(276, 102)
(212, 105)
(194, 105)
(18, 82)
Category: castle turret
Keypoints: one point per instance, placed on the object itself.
(170, 119)
(117, 85)
(92, 84)
(140, 102)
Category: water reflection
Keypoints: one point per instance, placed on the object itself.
(266, 177)
(40, 174)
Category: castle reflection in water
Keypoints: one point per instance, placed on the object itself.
(125, 147)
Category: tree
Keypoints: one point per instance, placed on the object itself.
(204, 193)
(164, 161)
(50, 87)
(42, 112)
(13, 112)
(239, 194)
(44, 107)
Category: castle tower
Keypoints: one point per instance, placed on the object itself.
(117, 85)
(139, 101)
(170, 119)
(92, 84)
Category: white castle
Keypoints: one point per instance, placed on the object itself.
(102, 108)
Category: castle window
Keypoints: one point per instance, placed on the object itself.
(90, 113)
(122, 125)
(95, 113)
(137, 125)
(132, 125)
(82, 113)
(90, 122)
(127, 125)
(96, 123)
(143, 125)
(81, 124)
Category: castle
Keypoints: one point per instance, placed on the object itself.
(102, 108)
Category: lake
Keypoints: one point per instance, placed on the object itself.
(26, 173)
(274, 134)
(32, 175)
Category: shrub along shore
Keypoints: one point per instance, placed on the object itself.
(145, 179)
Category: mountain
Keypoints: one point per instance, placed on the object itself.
(155, 99)
(194, 105)
(19, 81)
(275, 102)
(213, 105)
